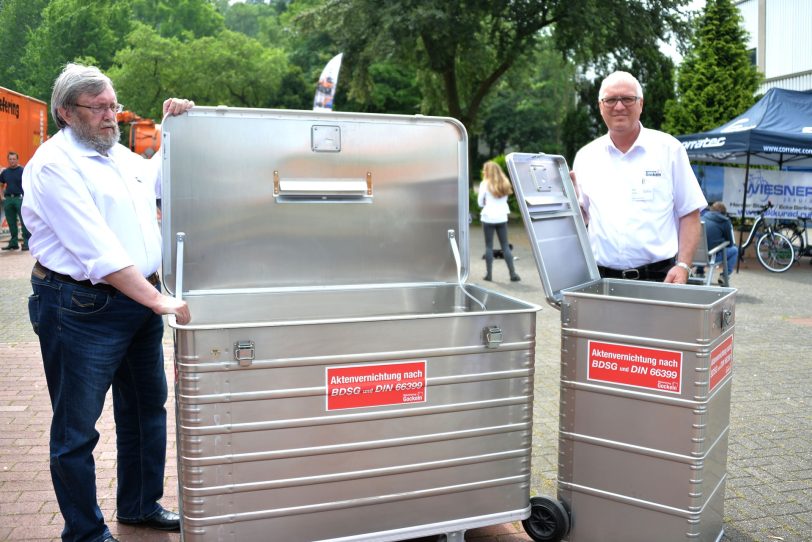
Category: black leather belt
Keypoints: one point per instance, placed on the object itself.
(152, 279)
(13, 195)
(652, 271)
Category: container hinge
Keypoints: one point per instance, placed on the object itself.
(244, 353)
(493, 337)
(727, 319)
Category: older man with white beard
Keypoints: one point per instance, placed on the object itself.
(97, 304)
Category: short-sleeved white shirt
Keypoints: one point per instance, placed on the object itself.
(634, 200)
(91, 215)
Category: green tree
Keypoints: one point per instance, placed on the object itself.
(72, 30)
(229, 68)
(177, 18)
(464, 47)
(233, 69)
(527, 110)
(18, 18)
(716, 81)
(147, 71)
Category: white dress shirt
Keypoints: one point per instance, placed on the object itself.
(634, 201)
(91, 215)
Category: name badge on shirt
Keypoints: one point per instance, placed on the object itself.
(644, 190)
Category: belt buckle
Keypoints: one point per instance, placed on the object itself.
(631, 274)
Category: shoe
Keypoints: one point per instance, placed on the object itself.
(162, 520)
(721, 282)
(515, 278)
(9, 248)
(24, 248)
(488, 278)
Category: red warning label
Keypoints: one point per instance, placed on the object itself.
(635, 366)
(721, 362)
(357, 386)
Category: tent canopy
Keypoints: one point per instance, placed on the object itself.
(777, 130)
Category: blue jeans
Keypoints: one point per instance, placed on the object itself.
(91, 339)
(732, 256)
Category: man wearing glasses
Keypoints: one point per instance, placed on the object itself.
(639, 196)
(97, 304)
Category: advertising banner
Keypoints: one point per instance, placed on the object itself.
(790, 192)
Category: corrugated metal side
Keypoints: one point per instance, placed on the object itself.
(797, 82)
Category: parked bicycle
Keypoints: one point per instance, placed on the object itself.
(773, 250)
(797, 233)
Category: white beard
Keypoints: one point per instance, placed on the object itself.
(101, 142)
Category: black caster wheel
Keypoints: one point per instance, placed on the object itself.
(549, 521)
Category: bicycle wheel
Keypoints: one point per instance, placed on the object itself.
(775, 252)
(795, 238)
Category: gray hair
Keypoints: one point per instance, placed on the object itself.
(619, 76)
(74, 81)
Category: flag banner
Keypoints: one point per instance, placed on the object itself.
(326, 89)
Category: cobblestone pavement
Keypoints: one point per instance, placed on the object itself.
(769, 487)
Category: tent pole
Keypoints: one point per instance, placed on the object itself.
(744, 210)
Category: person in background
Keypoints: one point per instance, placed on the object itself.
(718, 229)
(637, 191)
(97, 304)
(492, 198)
(11, 183)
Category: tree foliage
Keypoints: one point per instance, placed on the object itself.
(505, 68)
(527, 109)
(464, 47)
(716, 81)
(72, 30)
(176, 18)
(18, 18)
(229, 68)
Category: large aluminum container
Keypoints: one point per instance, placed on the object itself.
(339, 380)
(646, 372)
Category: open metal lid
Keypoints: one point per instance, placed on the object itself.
(271, 199)
(552, 217)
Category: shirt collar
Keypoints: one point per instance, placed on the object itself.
(641, 141)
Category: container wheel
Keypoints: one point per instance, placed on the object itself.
(549, 521)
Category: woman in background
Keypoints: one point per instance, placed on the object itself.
(493, 192)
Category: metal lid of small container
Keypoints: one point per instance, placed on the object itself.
(558, 236)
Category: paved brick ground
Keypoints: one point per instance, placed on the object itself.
(769, 490)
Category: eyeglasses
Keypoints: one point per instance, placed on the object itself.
(101, 109)
(625, 100)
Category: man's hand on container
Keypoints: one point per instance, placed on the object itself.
(130, 282)
(172, 305)
(177, 106)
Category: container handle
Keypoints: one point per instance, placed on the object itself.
(180, 238)
(321, 190)
(456, 252)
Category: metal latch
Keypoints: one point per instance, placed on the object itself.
(493, 337)
(244, 352)
(727, 318)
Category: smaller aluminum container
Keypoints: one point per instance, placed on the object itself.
(646, 372)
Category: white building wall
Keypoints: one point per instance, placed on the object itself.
(788, 44)
(781, 33)
(749, 13)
